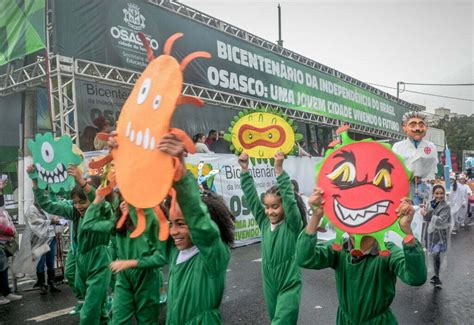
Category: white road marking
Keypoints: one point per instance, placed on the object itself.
(258, 260)
(54, 314)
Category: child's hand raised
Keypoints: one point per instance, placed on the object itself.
(112, 141)
(406, 212)
(172, 145)
(244, 162)
(316, 202)
(279, 158)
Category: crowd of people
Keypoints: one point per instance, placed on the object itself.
(117, 277)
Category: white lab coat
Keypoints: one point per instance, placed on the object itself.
(458, 201)
(422, 161)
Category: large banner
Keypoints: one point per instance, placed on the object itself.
(95, 99)
(22, 28)
(106, 31)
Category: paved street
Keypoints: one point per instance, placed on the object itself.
(243, 301)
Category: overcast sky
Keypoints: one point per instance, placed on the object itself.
(379, 41)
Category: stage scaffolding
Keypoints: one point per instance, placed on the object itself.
(60, 73)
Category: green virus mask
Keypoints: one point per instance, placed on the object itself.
(51, 158)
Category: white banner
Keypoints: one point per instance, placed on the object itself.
(227, 184)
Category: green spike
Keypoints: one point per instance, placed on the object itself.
(232, 147)
(252, 160)
(230, 130)
(265, 160)
(232, 123)
(241, 114)
(272, 162)
(298, 136)
(259, 160)
(228, 137)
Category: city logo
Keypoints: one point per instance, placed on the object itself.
(133, 18)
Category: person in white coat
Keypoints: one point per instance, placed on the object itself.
(459, 201)
(420, 156)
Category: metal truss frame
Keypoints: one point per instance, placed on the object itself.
(62, 89)
(60, 74)
(65, 70)
(213, 22)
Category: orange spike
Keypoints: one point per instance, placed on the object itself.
(102, 136)
(146, 45)
(123, 218)
(164, 226)
(332, 144)
(188, 143)
(141, 224)
(191, 100)
(96, 164)
(104, 191)
(173, 201)
(192, 56)
(169, 43)
(343, 128)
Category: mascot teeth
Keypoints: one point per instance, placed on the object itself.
(356, 217)
(139, 137)
(57, 175)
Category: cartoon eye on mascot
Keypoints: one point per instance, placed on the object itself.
(363, 183)
(145, 117)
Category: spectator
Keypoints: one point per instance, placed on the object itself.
(7, 236)
(220, 145)
(315, 152)
(199, 141)
(87, 138)
(211, 138)
(102, 127)
(38, 247)
(301, 151)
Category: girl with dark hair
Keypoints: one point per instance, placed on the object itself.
(279, 220)
(300, 202)
(199, 257)
(438, 216)
(93, 259)
(81, 197)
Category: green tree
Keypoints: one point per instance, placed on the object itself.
(459, 133)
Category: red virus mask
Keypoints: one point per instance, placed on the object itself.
(363, 184)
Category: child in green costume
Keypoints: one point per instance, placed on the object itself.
(93, 259)
(280, 223)
(201, 252)
(70, 210)
(137, 286)
(137, 267)
(365, 285)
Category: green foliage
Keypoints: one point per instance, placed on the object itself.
(459, 132)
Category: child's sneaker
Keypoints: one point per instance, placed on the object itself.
(13, 297)
(4, 301)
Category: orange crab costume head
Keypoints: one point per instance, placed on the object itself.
(143, 173)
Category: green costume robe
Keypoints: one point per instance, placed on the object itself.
(366, 289)
(281, 275)
(66, 210)
(137, 290)
(196, 285)
(93, 260)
